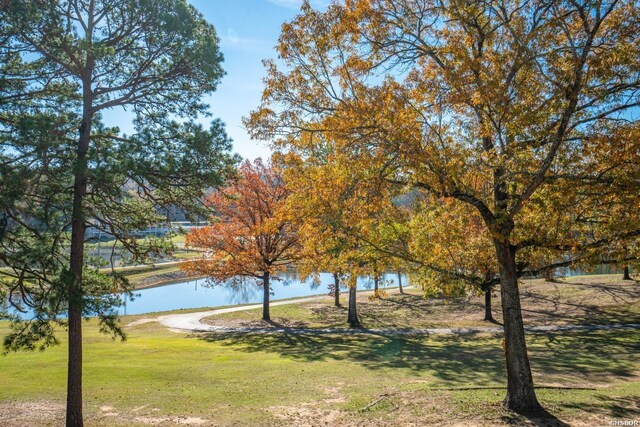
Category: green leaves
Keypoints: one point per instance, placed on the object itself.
(63, 63)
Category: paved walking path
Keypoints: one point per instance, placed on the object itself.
(192, 322)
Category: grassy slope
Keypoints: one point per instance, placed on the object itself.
(160, 376)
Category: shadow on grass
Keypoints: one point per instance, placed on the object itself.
(613, 407)
(614, 353)
(401, 310)
(565, 359)
(455, 360)
(541, 418)
(620, 294)
(472, 360)
(586, 309)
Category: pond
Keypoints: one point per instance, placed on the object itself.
(200, 294)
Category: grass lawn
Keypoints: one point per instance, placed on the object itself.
(159, 377)
(580, 299)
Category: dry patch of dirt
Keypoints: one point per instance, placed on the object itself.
(27, 414)
(305, 416)
(416, 408)
(44, 414)
(161, 421)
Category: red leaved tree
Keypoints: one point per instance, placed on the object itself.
(249, 235)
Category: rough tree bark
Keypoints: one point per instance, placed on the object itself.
(336, 292)
(75, 292)
(488, 289)
(521, 395)
(352, 317)
(400, 282)
(265, 298)
(488, 315)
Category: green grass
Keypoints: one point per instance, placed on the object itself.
(286, 379)
(246, 379)
(178, 238)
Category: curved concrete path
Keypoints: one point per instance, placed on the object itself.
(192, 322)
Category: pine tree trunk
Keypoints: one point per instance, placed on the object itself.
(352, 317)
(336, 284)
(74, 367)
(626, 273)
(400, 282)
(265, 297)
(488, 315)
(75, 293)
(521, 395)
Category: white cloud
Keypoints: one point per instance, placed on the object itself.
(231, 40)
(232, 36)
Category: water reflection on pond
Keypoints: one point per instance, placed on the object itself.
(198, 293)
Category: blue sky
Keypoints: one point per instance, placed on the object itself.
(248, 32)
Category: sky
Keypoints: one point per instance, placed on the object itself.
(248, 31)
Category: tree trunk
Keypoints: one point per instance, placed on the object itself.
(400, 282)
(376, 282)
(352, 317)
(488, 315)
(626, 274)
(521, 395)
(265, 298)
(336, 293)
(75, 293)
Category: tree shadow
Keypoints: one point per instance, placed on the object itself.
(277, 323)
(575, 312)
(541, 418)
(418, 302)
(465, 359)
(620, 294)
(614, 353)
(398, 310)
(559, 358)
(616, 408)
(589, 303)
(451, 359)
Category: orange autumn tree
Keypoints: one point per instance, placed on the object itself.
(249, 235)
(330, 203)
(507, 107)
